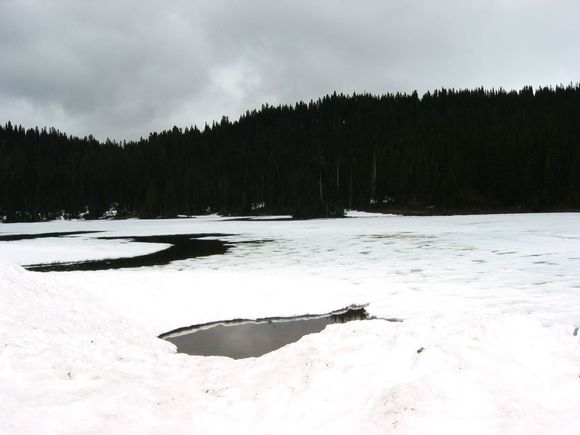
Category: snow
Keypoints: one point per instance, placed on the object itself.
(491, 301)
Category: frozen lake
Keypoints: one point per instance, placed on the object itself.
(492, 299)
(401, 266)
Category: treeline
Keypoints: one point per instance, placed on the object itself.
(447, 151)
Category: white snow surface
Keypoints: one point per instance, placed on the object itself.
(492, 301)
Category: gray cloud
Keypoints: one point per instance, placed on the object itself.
(122, 69)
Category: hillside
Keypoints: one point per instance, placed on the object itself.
(445, 152)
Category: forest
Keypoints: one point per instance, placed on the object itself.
(445, 152)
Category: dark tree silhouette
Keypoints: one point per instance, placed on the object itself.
(445, 152)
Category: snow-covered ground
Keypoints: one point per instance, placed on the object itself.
(492, 301)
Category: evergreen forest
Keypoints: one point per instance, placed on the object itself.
(448, 151)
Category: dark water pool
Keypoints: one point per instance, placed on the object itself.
(183, 246)
(253, 338)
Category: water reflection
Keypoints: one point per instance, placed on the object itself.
(245, 338)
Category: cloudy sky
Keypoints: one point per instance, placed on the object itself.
(123, 68)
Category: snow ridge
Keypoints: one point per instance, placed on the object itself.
(71, 363)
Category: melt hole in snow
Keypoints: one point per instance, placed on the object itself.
(253, 338)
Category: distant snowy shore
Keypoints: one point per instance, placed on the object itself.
(486, 346)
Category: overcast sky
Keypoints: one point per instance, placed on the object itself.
(123, 68)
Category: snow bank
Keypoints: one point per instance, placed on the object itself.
(73, 363)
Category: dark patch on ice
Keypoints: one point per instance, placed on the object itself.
(253, 242)
(15, 237)
(183, 246)
(250, 219)
(243, 338)
(164, 238)
(403, 235)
